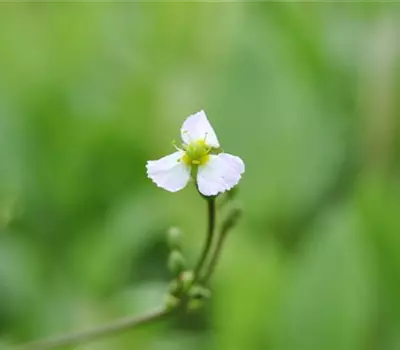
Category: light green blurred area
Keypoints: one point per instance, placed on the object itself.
(306, 94)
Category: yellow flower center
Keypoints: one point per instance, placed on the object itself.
(196, 153)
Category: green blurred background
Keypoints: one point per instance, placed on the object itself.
(306, 94)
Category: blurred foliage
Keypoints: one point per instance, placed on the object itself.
(306, 94)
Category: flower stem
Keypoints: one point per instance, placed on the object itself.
(95, 333)
(214, 258)
(227, 225)
(209, 238)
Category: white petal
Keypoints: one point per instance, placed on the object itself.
(220, 174)
(197, 127)
(169, 172)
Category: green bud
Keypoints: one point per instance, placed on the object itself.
(199, 292)
(228, 197)
(176, 262)
(171, 301)
(174, 238)
(232, 193)
(195, 304)
(175, 287)
(186, 278)
(231, 219)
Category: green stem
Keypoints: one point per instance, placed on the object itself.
(227, 225)
(214, 258)
(209, 238)
(117, 326)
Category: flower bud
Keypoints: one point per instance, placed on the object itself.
(174, 238)
(195, 304)
(176, 262)
(175, 287)
(231, 219)
(186, 278)
(228, 197)
(171, 301)
(199, 292)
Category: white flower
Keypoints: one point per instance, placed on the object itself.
(201, 157)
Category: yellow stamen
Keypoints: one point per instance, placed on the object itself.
(196, 153)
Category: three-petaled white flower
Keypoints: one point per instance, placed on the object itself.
(200, 157)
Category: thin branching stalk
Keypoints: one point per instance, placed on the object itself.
(80, 337)
(227, 225)
(209, 238)
(214, 259)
